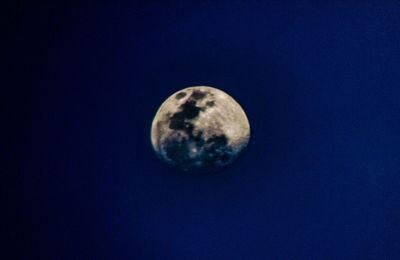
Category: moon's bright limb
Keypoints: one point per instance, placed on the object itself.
(200, 128)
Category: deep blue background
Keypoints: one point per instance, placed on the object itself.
(320, 86)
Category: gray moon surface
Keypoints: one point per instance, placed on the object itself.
(200, 129)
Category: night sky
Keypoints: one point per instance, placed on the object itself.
(319, 83)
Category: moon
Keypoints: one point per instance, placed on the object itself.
(200, 129)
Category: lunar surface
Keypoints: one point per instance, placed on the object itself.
(200, 129)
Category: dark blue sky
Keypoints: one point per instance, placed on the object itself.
(319, 84)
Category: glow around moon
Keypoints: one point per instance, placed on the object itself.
(200, 128)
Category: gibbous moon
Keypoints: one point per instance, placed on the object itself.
(200, 129)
